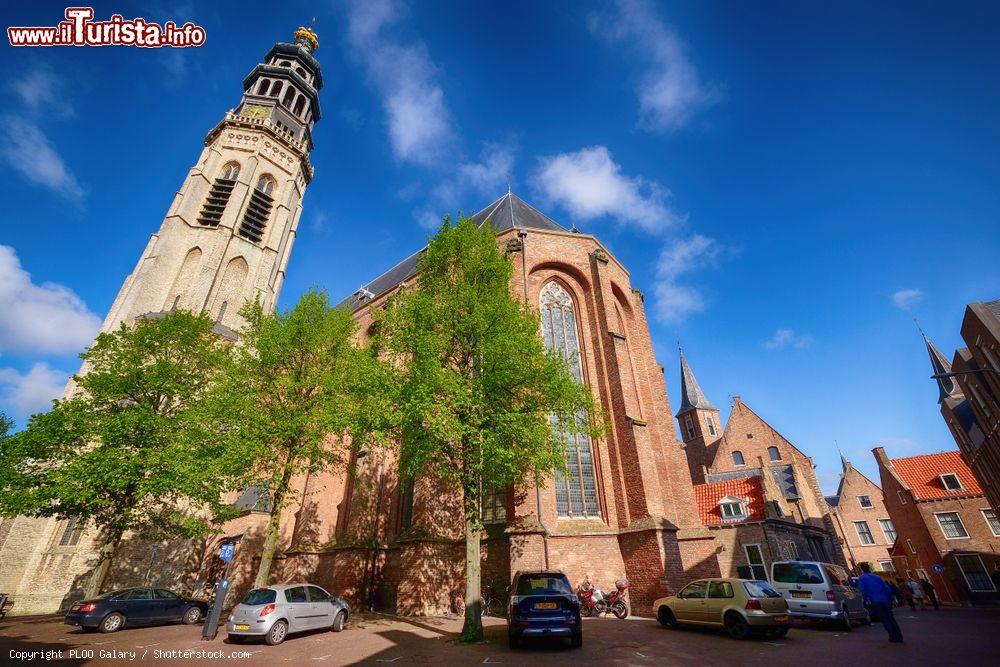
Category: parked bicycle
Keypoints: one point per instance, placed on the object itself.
(492, 604)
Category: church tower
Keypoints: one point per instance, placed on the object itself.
(229, 231)
(699, 423)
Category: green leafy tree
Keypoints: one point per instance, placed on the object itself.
(124, 451)
(290, 401)
(6, 424)
(476, 393)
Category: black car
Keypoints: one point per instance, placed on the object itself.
(135, 606)
(543, 604)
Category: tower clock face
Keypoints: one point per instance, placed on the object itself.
(256, 111)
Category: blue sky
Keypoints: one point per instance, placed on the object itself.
(790, 183)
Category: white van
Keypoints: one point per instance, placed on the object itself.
(819, 591)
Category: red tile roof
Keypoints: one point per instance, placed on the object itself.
(707, 496)
(922, 475)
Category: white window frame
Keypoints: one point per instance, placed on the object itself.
(751, 564)
(984, 510)
(743, 505)
(937, 515)
(993, 587)
(902, 496)
(870, 505)
(861, 537)
(945, 484)
(913, 549)
(882, 562)
(885, 534)
(711, 424)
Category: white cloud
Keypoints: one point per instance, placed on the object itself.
(590, 184)
(38, 90)
(28, 151)
(905, 298)
(22, 395)
(783, 338)
(669, 90)
(674, 301)
(45, 318)
(420, 125)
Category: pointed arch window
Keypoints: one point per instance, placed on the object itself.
(218, 196)
(258, 210)
(576, 489)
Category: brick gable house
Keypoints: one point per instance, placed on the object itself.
(946, 531)
(747, 446)
(862, 522)
(750, 519)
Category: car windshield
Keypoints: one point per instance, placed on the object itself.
(797, 573)
(760, 589)
(543, 584)
(259, 596)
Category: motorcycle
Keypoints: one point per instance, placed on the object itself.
(594, 603)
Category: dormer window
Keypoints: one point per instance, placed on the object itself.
(738, 458)
(950, 481)
(733, 509)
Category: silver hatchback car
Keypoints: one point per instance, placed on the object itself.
(274, 612)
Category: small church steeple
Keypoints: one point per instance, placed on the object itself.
(692, 397)
(947, 387)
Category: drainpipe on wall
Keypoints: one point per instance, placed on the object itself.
(523, 235)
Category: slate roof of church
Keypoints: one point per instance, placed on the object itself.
(691, 394)
(507, 212)
(783, 476)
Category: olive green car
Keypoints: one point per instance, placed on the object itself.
(740, 606)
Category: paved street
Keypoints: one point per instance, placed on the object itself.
(949, 637)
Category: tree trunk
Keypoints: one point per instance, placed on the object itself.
(105, 558)
(472, 631)
(273, 529)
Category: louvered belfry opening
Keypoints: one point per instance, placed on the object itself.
(218, 196)
(258, 211)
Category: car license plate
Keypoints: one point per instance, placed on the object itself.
(801, 594)
(781, 619)
(545, 605)
(242, 626)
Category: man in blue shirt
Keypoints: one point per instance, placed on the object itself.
(876, 591)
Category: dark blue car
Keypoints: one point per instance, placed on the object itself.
(133, 607)
(543, 604)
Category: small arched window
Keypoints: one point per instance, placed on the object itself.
(275, 89)
(285, 63)
(265, 184)
(289, 96)
(774, 453)
(262, 88)
(301, 72)
(738, 458)
(231, 171)
(299, 105)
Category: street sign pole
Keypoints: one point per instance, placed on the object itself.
(211, 627)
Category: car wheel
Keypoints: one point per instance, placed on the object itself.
(736, 625)
(778, 633)
(191, 616)
(512, 642)
(112, 622)
(277, 633)
(586, 610)
(845, 621)
(620, 609)
(577, 639)
(339, 621)
(666, 618)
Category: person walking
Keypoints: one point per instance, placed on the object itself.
(930, 592)
(906, 592)
(878, 592)
(918, 593)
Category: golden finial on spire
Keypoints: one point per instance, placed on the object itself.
(307, 37)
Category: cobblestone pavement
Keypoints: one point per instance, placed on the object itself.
(950, 637)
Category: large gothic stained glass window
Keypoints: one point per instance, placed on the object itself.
(576, 490)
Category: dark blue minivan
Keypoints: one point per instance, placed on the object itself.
(543, 604)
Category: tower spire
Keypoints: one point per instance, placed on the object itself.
(946, 385)
(692, 397)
